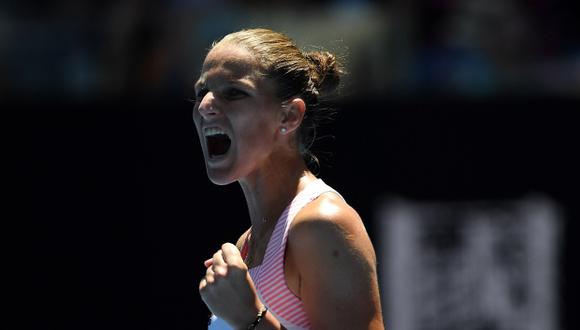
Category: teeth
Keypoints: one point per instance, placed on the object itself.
(213, 131)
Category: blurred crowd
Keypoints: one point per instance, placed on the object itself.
(99, 49)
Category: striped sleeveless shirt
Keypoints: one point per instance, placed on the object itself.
(268, 277)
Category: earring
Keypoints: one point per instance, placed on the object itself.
(283, 130)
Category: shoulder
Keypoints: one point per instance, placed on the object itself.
(328, 212)
(329, 225)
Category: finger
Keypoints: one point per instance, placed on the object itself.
(219, 266)
(218, 259)
(202, 284)
(208, 262)
(209, 276)
(209, 271)
(231, 254)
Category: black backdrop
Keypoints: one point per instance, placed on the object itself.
(118, 214)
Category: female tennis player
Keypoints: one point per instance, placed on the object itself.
(306, 261)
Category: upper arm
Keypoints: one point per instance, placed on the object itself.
(337, 267)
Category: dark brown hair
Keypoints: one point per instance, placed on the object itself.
(312, 76)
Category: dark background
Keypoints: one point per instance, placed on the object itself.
(118, 215)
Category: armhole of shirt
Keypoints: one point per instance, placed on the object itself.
(245, 246)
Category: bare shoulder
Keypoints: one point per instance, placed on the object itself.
(329, 221)
(328, 206)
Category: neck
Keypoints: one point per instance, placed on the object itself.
(269, 190)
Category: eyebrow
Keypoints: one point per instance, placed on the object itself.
(243, 81)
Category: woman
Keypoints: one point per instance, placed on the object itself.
(306, 262)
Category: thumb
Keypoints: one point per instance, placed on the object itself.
(231, 253)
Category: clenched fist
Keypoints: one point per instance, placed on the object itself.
(227, 288)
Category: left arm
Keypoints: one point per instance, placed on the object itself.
(337, 265)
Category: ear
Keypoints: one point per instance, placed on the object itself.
(292, 114)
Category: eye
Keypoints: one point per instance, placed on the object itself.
(234, 94)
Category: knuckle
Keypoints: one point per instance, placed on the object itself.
(229, 247)
(220, 271)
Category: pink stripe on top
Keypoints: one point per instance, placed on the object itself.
(269, 276)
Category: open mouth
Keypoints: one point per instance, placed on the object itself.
(218, 142)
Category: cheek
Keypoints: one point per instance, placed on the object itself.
(256, 134)
(197, 124)
(196, 118)
(195, 113)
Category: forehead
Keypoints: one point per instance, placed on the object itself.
(229, 62)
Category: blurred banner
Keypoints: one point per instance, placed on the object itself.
(484, 265)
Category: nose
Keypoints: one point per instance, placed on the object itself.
(207, 108)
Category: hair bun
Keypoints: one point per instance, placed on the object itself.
(326, 71)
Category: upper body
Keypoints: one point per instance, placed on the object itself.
(252, 116)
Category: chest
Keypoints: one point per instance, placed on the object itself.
(254, 255)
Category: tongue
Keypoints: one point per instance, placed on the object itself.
(218, 144)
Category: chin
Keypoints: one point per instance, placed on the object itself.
(219, 182)
(219, 177)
